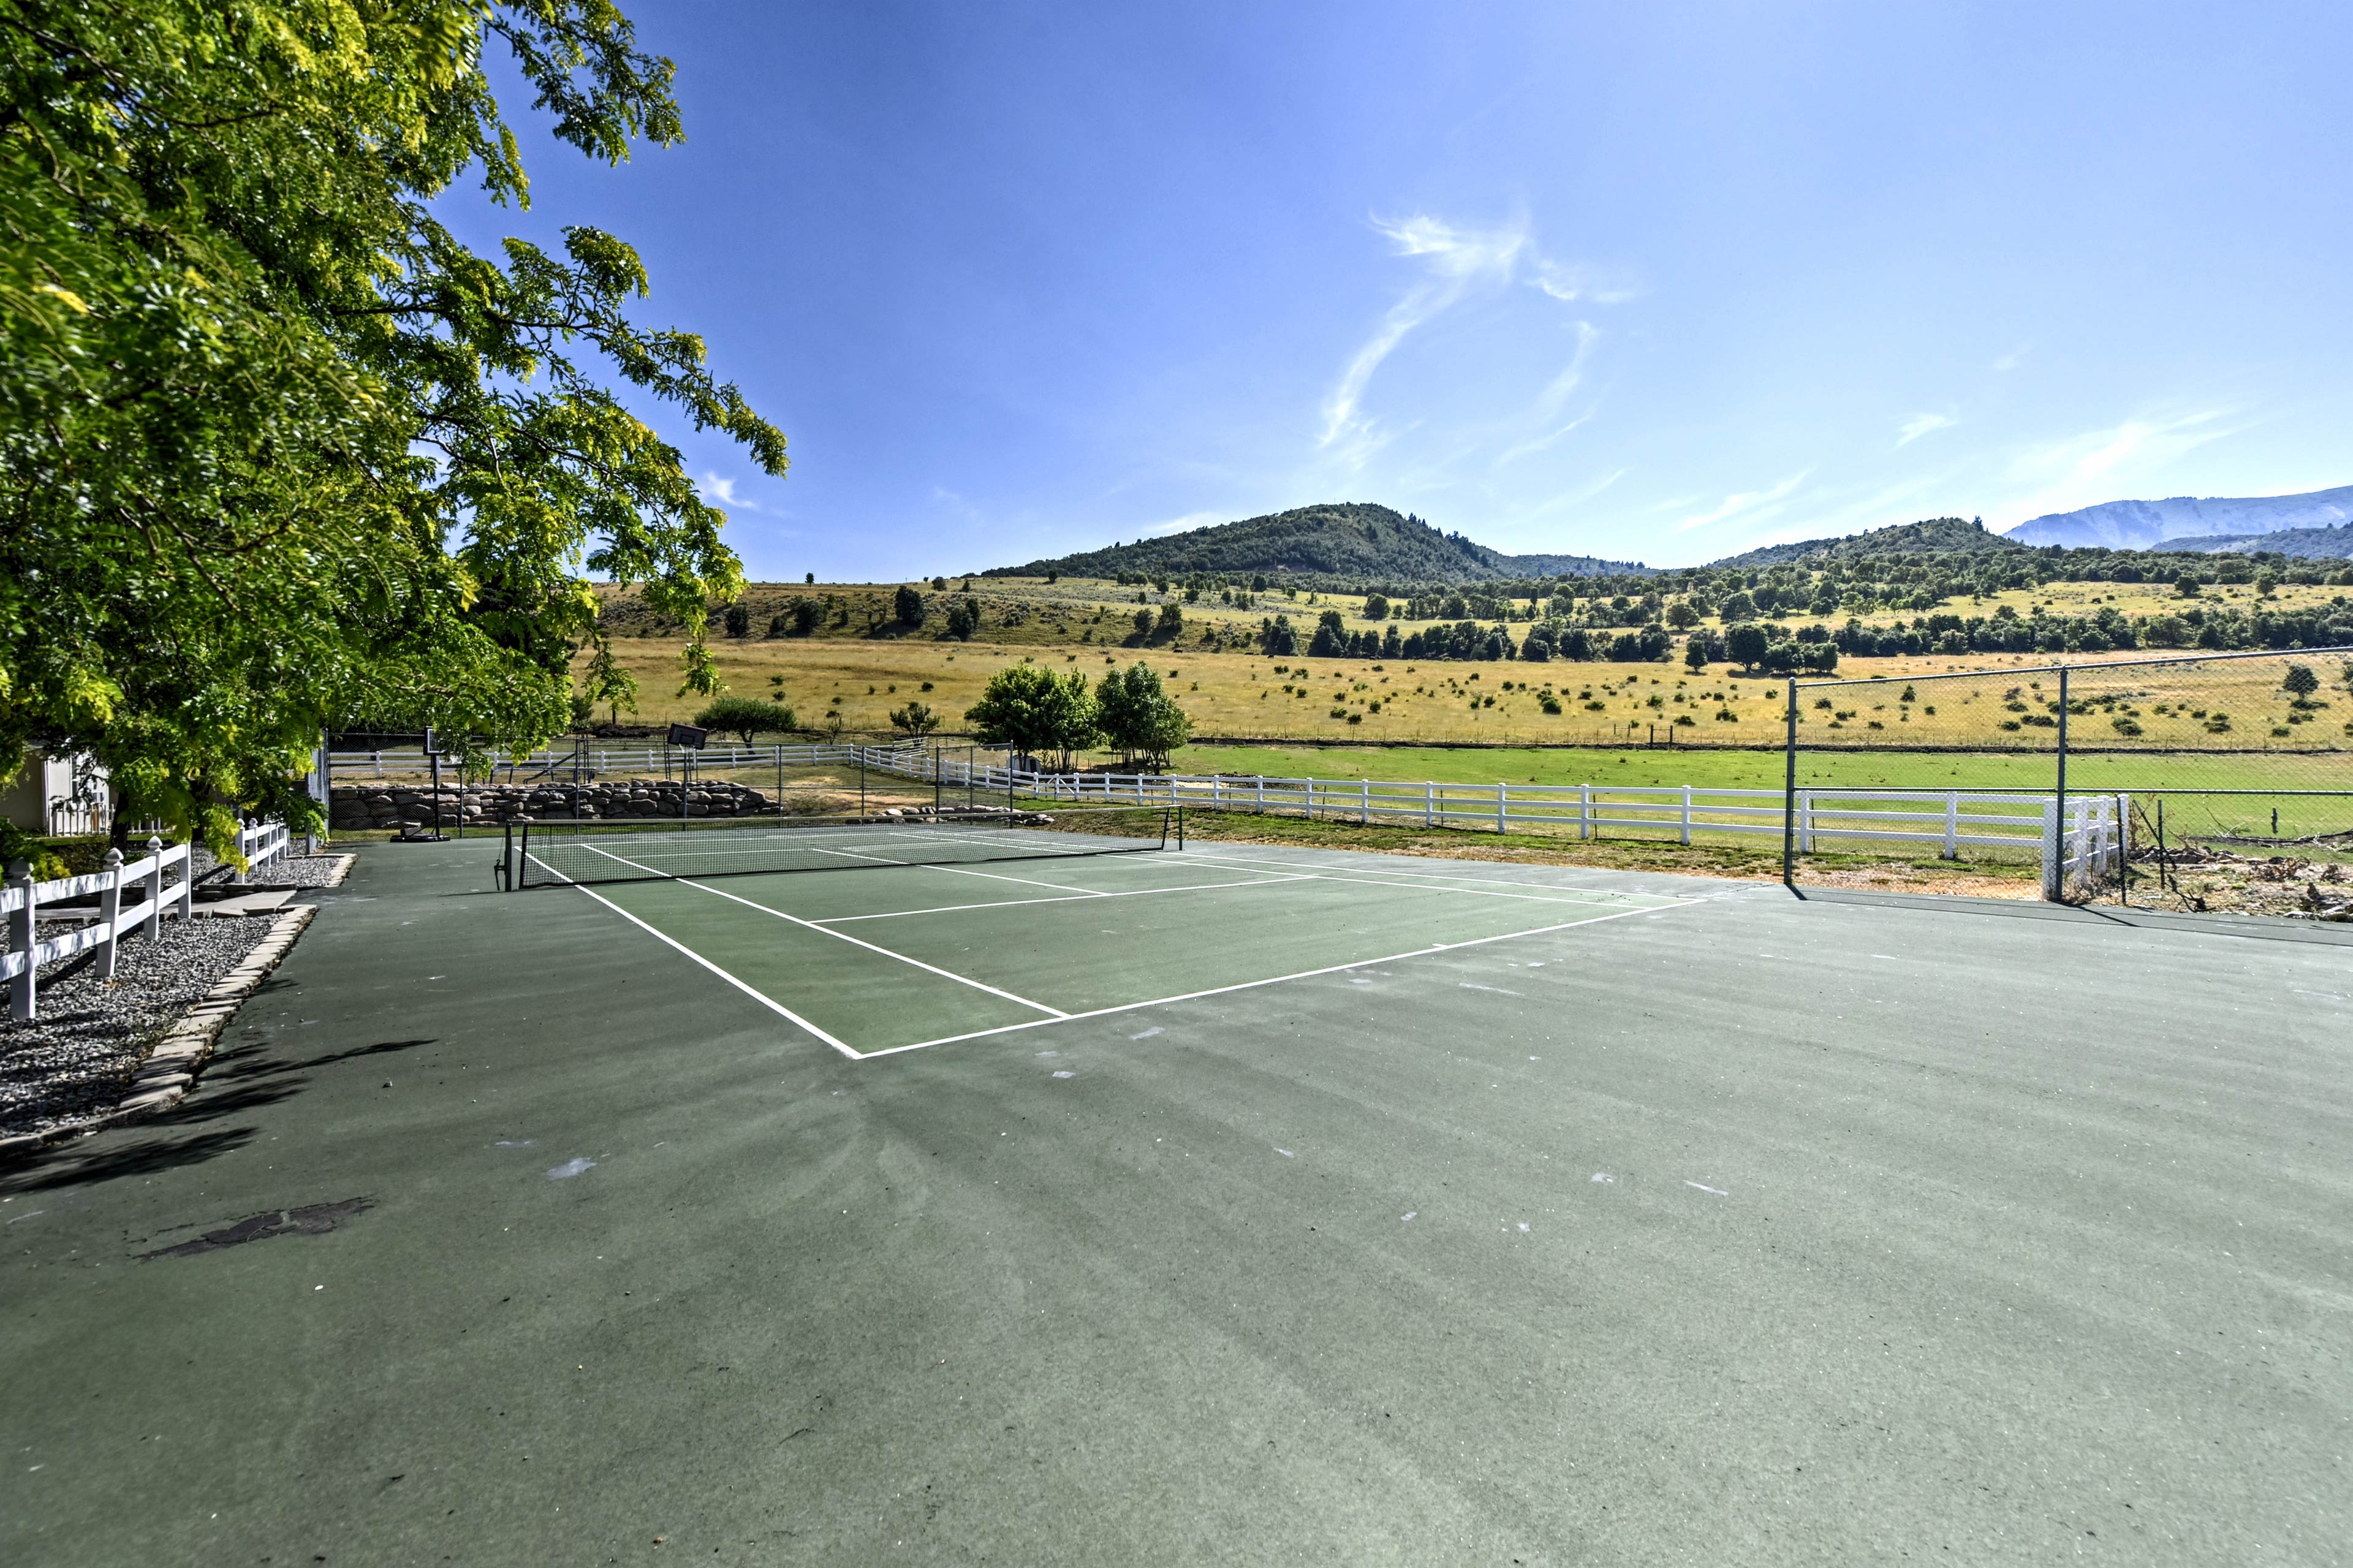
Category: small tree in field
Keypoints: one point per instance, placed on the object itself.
(745, 716)
(739, 620)
(908, 605)
(1034, 710)
(608, 683)
(2300, 683)
(915, 719)
(1136, 714)
(1747, 644)
(1695, 653)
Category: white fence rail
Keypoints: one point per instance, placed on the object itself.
(23, 956)
(2088, 838)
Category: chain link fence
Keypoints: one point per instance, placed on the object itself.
(2211, 782)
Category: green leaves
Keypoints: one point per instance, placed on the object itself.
(276, 450)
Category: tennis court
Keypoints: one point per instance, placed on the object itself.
(1445, 1211)
(946, 931)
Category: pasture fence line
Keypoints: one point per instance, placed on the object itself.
(23, 955)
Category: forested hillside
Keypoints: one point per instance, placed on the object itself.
(1318, 546)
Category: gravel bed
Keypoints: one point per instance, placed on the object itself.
(290, 871)
(73, 1061)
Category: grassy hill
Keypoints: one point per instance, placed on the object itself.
(1935, 536)
(1330, 544)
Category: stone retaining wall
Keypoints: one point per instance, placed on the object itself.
(355, 806)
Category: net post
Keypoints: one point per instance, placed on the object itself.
(861, 781)
(506, 861)
(1790, 797)
(1180, 825)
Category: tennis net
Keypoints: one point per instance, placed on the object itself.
(566, 853)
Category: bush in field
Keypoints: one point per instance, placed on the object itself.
(1137, 715)
(907, 605)
(745, 716)
(2300, 681)
(1034, 710)
(915, 719)
(739, 620)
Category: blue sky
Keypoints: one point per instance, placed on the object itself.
(1649, 282)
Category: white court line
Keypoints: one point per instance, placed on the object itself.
(1253, 985)
(1377, 879)
(1418, 875)
(764, 1000)
(1025, 903)
(845, 936)
(958, 870)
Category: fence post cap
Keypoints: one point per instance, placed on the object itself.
(155, 844)
(20, 870)
(113, 859)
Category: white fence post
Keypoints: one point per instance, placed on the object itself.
(1311, 800)
(1687, 789)
(1261, 794)
(20, 941)
(1500, 809)
(1805, 822)
(1585, 811)
(109, 913)
(1430, 803)
(1364, 811)
(1952, 825)
(154, 889)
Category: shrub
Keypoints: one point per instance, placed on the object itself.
(908, 605)
(745, 716)
(739, 620)
(915, 719)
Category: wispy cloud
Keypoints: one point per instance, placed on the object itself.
(1919, 424)
(1453, 261)
(2078, 470)
(722, 493)
(2011, 360)
(1750, 506)
(1547, 405)
(1456, 262)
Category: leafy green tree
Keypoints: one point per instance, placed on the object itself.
(1172, 621)
(1695, 653)
(2301, 681)
(1034, 710)
(746, 717)
(915, 719)
(1377, 607)
(607, 682)
(907, 605)
(277, 451)
(739, 620)
(1746, 643)
(1136, 714)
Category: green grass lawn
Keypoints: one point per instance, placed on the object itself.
(1721, 769)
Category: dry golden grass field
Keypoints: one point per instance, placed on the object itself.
(861, 670)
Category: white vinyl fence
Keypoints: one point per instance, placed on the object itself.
(23, 956)
(2085, 840)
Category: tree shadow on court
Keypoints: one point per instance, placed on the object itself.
(131, 1152)
(247, 1063)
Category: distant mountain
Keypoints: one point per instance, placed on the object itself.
(1353, 541)
(1935, 536)
(2141, 524)
(2297, 543)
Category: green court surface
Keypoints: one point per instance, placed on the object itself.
(1234, 1204)
(900, 958)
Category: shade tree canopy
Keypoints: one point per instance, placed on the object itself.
(278, 451)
